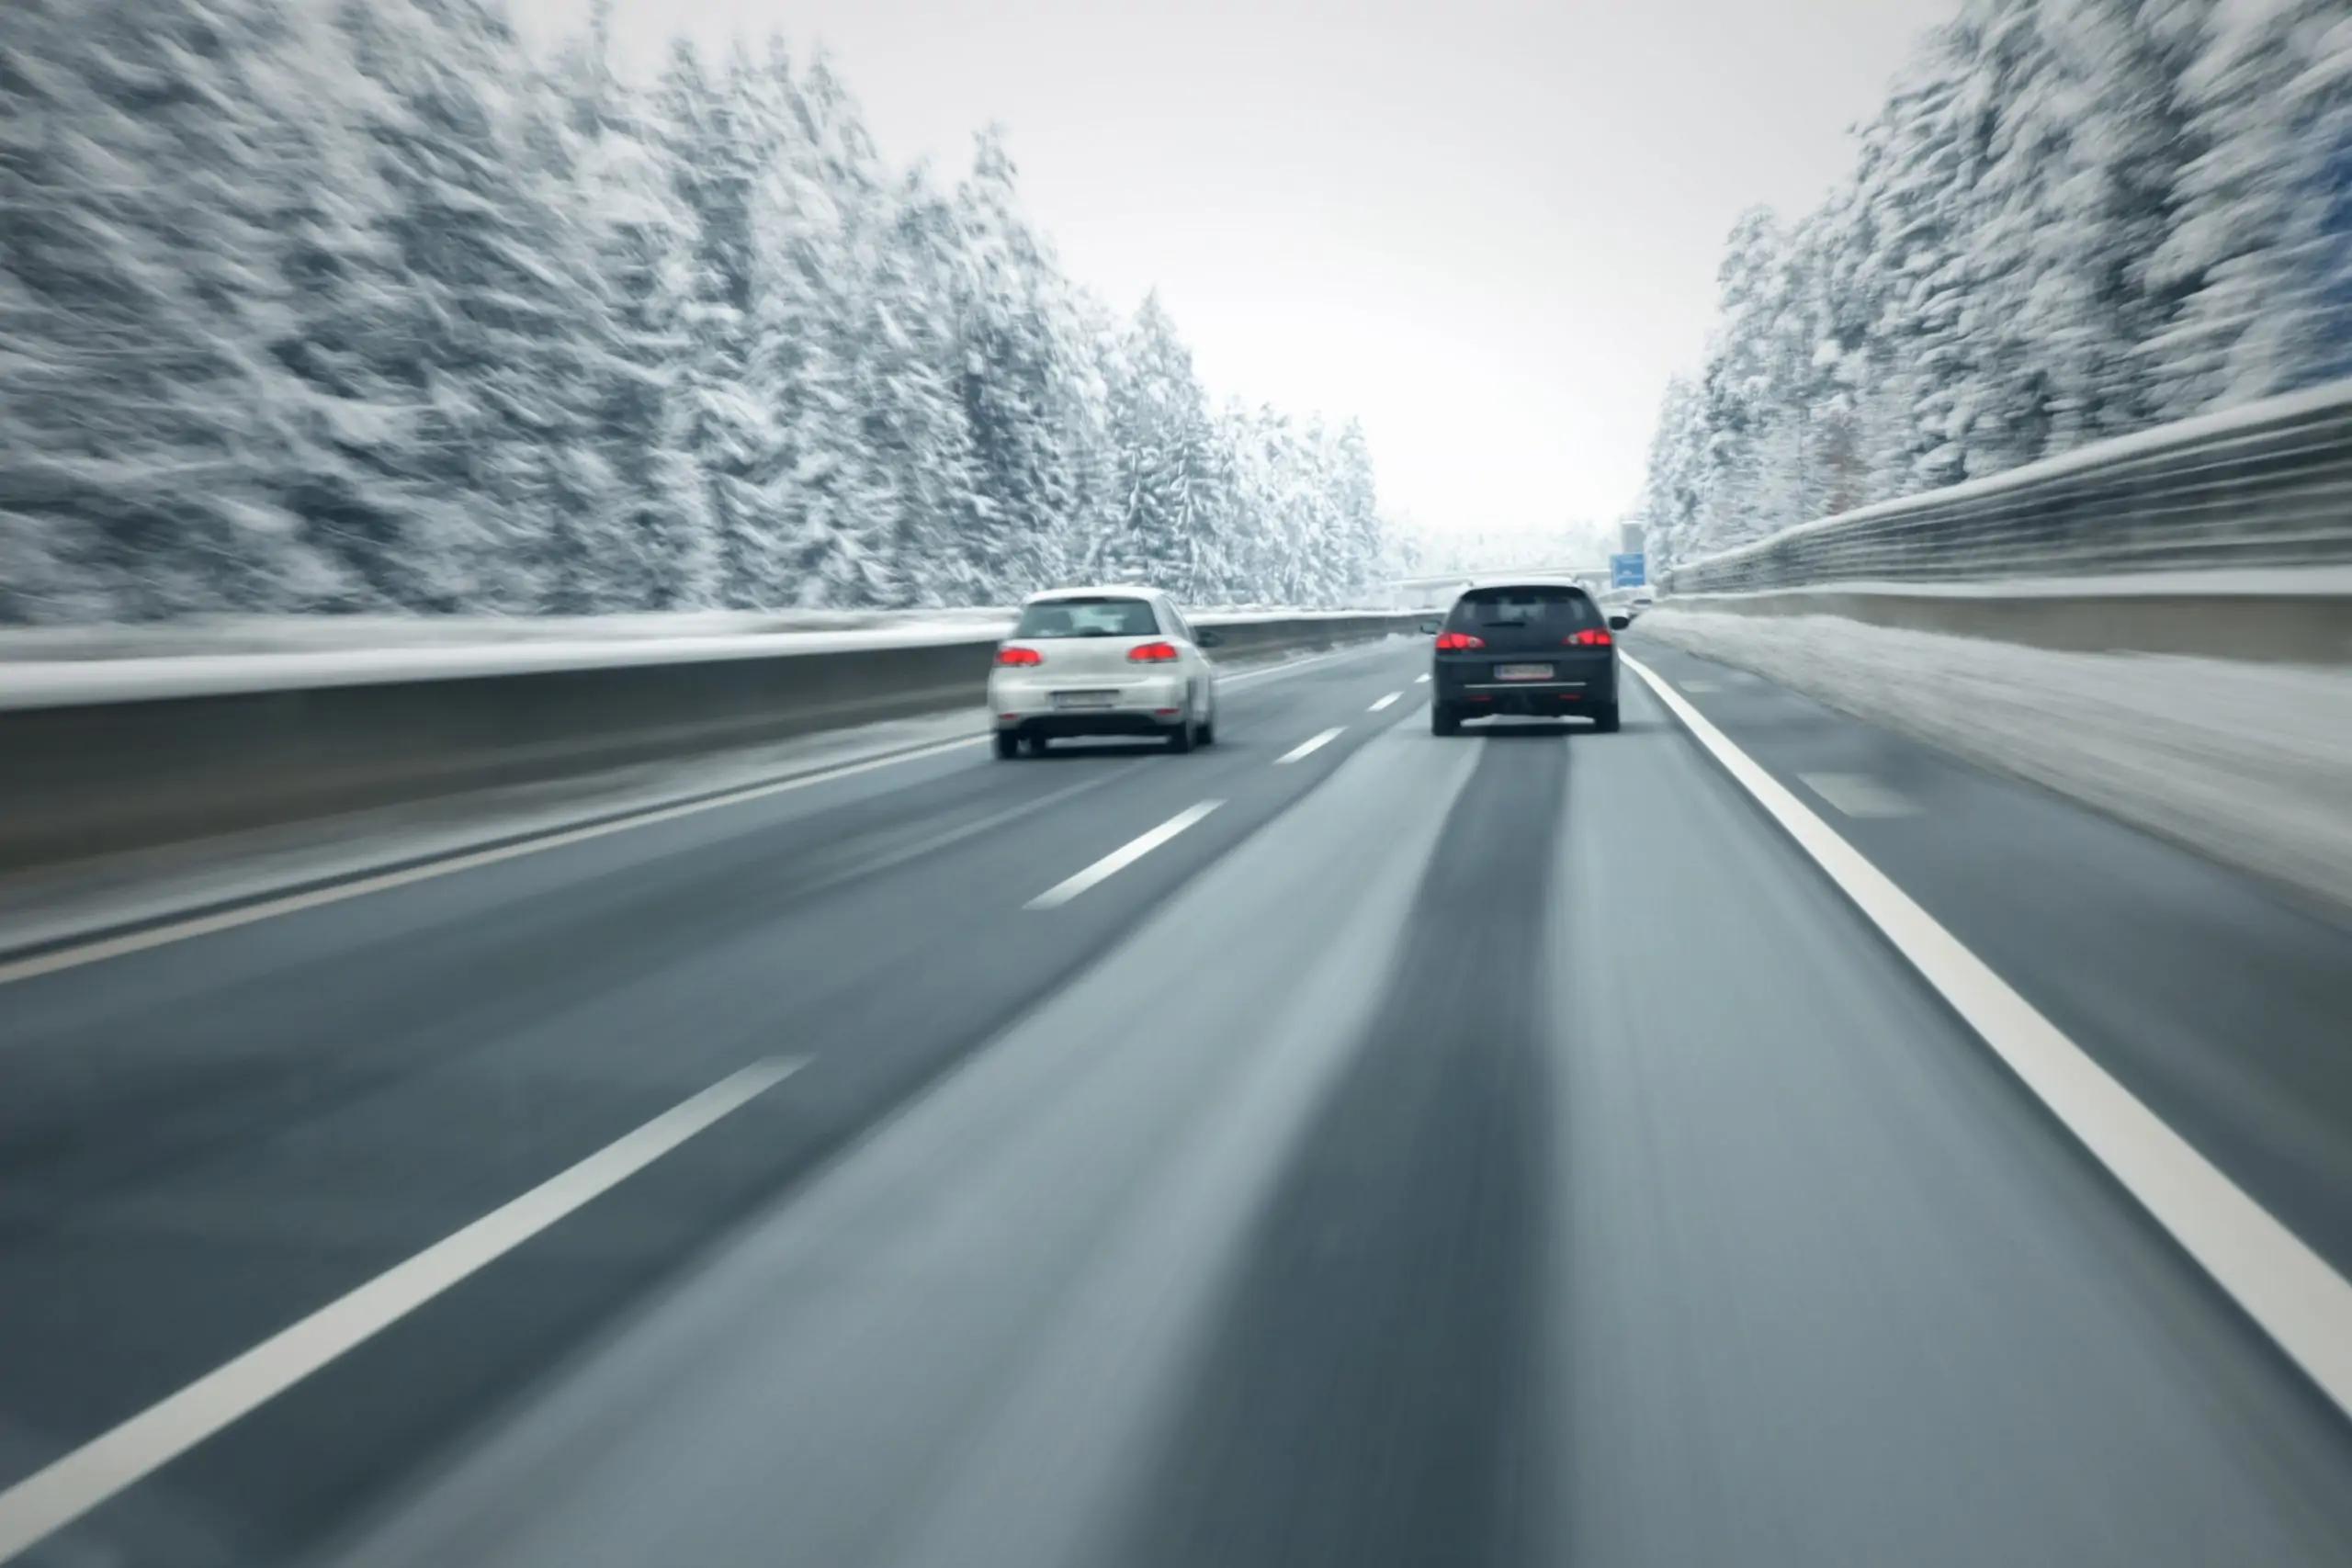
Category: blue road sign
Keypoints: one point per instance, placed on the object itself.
(1628, 571)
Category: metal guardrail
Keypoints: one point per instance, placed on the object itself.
(2264, 485)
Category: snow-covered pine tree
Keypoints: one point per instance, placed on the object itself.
(500, 319)
(1747, 425)
(1253, 548)
(1160, 429)
(341, 304)
(661, 553)
(2092, 142)
(916, 430)
(585, 544)
(809, 206)
(1225, 524)
(1019, 378)
(350, 285)
(716, 146)
(1358, 547)
(1674, 500)
(1922, 272)
(2269, 99)
(1312, 499)
(1099, 342)
(148, 424)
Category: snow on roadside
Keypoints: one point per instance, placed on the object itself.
(66, 683)
(220, 635)
(2250, 763)
(58, 667)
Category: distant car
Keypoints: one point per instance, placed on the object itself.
(1102, 661)
(1536, 649)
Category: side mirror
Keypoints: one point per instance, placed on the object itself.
(1204, 637)
(1618, 623)
(1431, 626)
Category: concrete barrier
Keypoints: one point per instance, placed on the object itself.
(80, 778)
(2248, 762)
(2307, 620)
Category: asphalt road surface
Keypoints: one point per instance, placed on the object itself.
(1510, 1149)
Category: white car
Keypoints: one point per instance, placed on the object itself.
(1102, 661)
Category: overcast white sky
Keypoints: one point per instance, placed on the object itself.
(1488, 229)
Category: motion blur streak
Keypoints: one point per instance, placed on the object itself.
(564, 1005)
(1362, 1403)
(64, 1491)
(2302, 1303)
(1505, 1149)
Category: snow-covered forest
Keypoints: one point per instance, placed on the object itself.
(2072, 219)
(340, 305)
(1571, 543)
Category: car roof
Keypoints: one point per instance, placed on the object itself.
(1476, 583)
(1107, 590)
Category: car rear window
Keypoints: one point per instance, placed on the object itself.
(1088, 617)
(1536, 604)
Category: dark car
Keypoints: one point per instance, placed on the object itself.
(1540, 649)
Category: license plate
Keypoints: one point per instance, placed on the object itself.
(1085, 699)
(1523, 671)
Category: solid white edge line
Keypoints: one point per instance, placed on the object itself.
(78, 954)
(1311, 744)
(1126, 854)
(59, 1493)
(1384, 702)
(2292, 1292)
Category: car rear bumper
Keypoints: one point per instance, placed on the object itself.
(1057, 726)
(1526, 705)
(1578, 687)
(1147, 706)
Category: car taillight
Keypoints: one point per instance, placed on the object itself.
(1591, 636)
(1458, 642)
(1153, 653)
(1019, 656)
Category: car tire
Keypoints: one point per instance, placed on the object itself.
(1180, 739)
(1444, 720)
(1008, 744)
(1208, 735)
(1604, 718)
(1036, 744)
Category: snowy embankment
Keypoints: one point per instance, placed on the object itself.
(2249, 762)
(214, 635)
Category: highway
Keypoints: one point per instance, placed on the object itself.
(1339, 1145)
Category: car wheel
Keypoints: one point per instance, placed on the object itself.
(1180, 739)
(1444, 720)
(1208, 735)
(1008, 744)
(1604, 718)
(1036, 744)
